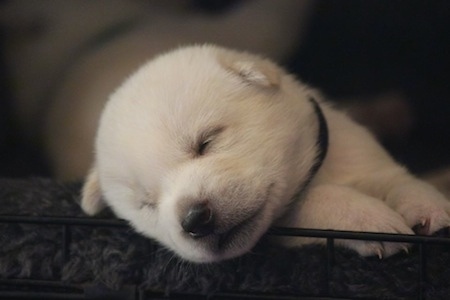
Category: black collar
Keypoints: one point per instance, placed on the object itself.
(322, 145)
(322, 140)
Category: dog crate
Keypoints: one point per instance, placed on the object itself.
(75, 257)
(11, 288)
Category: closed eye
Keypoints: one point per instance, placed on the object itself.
(203, 146)
(205, 141)
(144, 205)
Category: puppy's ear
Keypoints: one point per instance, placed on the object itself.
(255, 71)
(91, 201)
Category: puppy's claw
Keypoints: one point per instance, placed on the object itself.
(379, 252)
(423, 227)
(405, 249)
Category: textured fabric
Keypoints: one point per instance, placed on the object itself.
(112, 257)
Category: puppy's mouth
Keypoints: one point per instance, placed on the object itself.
(239, 235)
(228, 241)
(220, 230)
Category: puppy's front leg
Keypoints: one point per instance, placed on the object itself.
(331, 206)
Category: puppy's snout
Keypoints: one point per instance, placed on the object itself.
(199, 220)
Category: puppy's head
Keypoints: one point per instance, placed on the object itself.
(202, 149)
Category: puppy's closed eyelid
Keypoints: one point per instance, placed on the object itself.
(206, 139)
(147, 205)
(202, 147)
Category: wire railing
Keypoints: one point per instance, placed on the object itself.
(46, 289)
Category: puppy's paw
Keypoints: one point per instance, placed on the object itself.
(342, 208)
(374, 218)
(422, 206)
(379, 219)
(373, 248)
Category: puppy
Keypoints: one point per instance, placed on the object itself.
(204, 148)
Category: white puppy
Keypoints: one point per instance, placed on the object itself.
(204, 148)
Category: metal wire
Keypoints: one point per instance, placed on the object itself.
(35, 289)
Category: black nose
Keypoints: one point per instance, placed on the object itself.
(199, 220)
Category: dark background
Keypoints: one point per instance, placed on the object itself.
(363, 47)
(352, 48)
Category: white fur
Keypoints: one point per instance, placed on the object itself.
(263, 133)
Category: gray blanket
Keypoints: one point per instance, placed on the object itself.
(111, 259)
